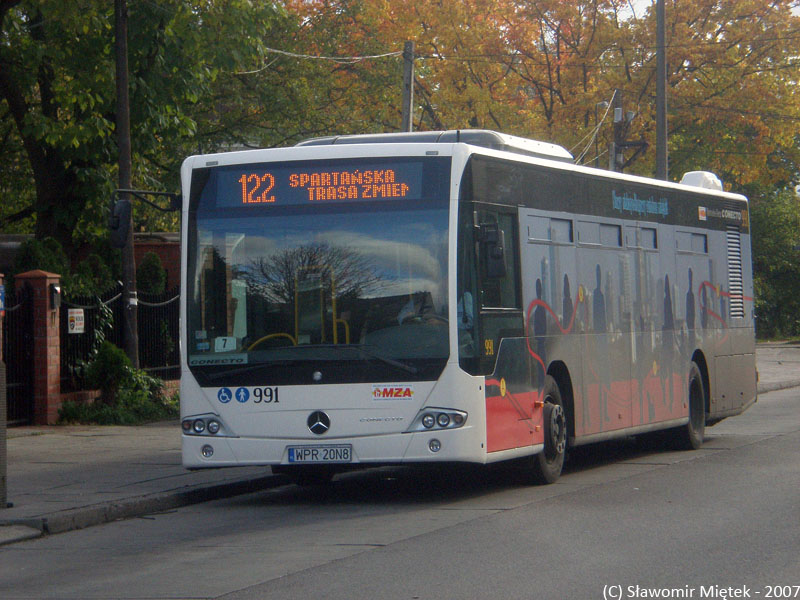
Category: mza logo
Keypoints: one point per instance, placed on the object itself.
(392, 392)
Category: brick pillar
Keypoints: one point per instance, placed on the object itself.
(46, 346)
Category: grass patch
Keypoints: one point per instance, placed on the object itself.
(137, 399)
(128, 396)
(778, 340)
(133, 407)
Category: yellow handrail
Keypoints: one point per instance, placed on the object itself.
(270, 336)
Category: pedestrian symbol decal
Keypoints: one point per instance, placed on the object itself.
(242, 395)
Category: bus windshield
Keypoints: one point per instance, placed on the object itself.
(341, 280)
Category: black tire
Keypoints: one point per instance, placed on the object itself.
(690, 436)
(546, 465)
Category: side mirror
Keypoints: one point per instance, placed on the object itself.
(492, 240)
(119, 223)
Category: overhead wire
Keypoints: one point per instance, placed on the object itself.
(337, 59)
(593, 133)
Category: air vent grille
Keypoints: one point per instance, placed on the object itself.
(735, 282)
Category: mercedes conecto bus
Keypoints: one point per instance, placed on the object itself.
(461, 296)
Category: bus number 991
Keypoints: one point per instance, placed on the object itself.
(265, 395)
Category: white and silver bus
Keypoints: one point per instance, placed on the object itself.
(458, 296)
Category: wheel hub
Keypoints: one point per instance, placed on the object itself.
(557, 429)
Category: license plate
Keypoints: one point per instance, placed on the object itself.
(342, 453)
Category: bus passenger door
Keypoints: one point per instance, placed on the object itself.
(604, 270)
(502, 348)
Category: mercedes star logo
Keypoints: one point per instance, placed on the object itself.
(318, 422)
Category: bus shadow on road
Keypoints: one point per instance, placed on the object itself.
(653, 446)
(435, 484)
(396, 485)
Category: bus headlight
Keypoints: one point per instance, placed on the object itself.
(436, 419)
(205, 425)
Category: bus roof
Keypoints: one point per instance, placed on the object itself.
(474, 137)
(698, 181)
(494, 142)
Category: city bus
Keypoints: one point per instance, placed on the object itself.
(452, 297)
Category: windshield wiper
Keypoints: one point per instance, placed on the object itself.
(370, 354)
(241, 370)
(362, 348)
(385, 359)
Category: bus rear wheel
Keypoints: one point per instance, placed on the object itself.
(547, 464)
(690, 436)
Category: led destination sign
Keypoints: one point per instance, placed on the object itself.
(264, 184)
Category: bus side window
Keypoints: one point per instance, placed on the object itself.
(492, 240)
(500, 313)
(498, 262)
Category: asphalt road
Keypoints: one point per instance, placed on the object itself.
(627, 519)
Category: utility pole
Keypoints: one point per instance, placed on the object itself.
(408, 86)
(604, 106)
(129, 298)
(662, 159)
(622, 124)
(615, 156)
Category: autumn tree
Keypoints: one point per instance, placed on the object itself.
(732, 72)
(209, 76)
(539, 68)
(187, 95)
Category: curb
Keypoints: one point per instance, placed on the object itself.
(763, 388)
(16, 530)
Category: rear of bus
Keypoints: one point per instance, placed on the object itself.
(318, 319)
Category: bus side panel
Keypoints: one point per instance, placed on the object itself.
(641, 277)
(510, 419)
(513, 418)
(734, 383)
(731, 339)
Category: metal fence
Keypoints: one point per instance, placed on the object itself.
(18, 355)
(87, 320)
(159, 331)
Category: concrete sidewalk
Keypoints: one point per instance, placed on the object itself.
(68, 477)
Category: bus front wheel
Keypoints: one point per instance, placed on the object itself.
(548, 463)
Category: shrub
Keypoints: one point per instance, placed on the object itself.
(92, 276)
(151, 277)
(109, 371)
(775, 220)
(128, 396)
(133, 407)
(46, 254)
